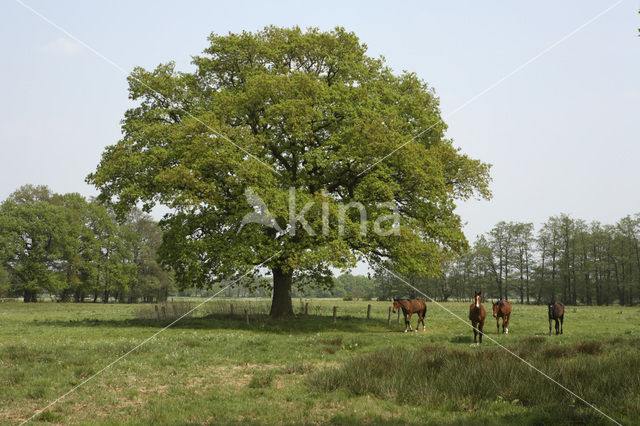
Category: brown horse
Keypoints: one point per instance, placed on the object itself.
(410, 306)
(477, 315)
(502, 309)
(556, 312)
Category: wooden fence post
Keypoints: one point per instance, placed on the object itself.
(335, 311)
(232, 312)
(246, 315)
(164, 312)
(306, 308)
(157, 313)
(389, 319)
(369, 311)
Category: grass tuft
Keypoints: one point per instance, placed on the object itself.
(591, 348)
(262, 379)
(298, 368)
(50, 417)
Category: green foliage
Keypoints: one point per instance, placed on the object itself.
(145, 237)
(33, 235)
(68, 247)
(5, 285)
(280, 109)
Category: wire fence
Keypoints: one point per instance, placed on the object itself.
(259, 308)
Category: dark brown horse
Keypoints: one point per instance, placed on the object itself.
(477, 315)
(502, 309)
(410, 306)
(556, 312)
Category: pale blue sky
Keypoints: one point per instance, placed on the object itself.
(562, 133)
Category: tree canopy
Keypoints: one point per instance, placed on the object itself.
(279, 109)
(66, 246)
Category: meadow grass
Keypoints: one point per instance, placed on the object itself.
(213, 368)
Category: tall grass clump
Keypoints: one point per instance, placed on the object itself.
(222, 307)
(262, 379)
(438, 377)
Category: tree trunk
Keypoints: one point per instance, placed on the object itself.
(30, 296)
(66, 295)
(281, 305)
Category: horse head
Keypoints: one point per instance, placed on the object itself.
(396, 304)
(478, 299)
(496, 308)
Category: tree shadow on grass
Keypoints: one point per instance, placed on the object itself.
(301, 324)
(462, 339)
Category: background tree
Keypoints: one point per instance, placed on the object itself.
(496, 250)
(549, 243)
(523, 237)
(74, 206)
(64, 246)
(32, 237)
(5, 284)
(152, 281)
(569, 260)
(315, 112)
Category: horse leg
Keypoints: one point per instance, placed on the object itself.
(480, 329)
(498, 325)
(557, 326)
(561, 322)
(475, 332)
(549, 326)
(410, 328)
(422, 319)
(406, 323)
(505, 324)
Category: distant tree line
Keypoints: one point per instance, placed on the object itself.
(346, 286)
(566, 259)
(73, 249)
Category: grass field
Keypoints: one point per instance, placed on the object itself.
(214, 368)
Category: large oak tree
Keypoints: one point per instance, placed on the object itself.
(285, 108)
